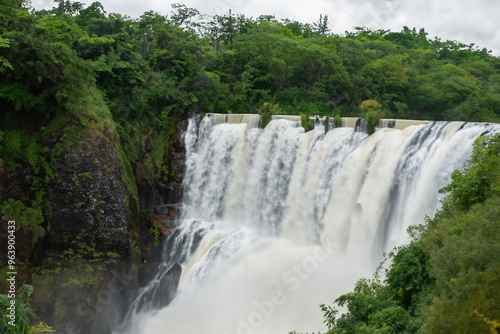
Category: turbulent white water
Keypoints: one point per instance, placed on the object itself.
(277, 221)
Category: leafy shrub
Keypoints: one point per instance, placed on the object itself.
(307, 123)
(267, 110)
(23, 312)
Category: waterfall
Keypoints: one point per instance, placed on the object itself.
(277, 221)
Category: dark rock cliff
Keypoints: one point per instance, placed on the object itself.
(90, 228)
(87, 197)
(102, 227)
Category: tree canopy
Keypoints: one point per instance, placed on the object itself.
(160, 66)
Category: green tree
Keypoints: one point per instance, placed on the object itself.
(388, 74)
(67, 7)
(321, 26)
(183, 15)
(465, 270)
(481, 177)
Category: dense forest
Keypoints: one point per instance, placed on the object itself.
(77, 71)
(153, 70)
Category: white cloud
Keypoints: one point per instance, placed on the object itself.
(468, 21)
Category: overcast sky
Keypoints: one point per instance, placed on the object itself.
(468, 21)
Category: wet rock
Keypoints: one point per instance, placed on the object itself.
(177, 162)
(168, 210)
(146, 274)
(161, 209)
(164, 223)
(174, 192)
(89, 199)
(162, 290)
(169, 282)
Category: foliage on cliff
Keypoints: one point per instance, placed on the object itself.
(447, 279)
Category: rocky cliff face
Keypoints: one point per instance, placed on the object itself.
(102, 229)
(89, 198)
(90, 224)
(167, 189)
(161, 206)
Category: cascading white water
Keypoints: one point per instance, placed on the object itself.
(277, 221)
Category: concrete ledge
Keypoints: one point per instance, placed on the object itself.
(254, 120)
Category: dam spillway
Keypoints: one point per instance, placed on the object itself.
(254, 120)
